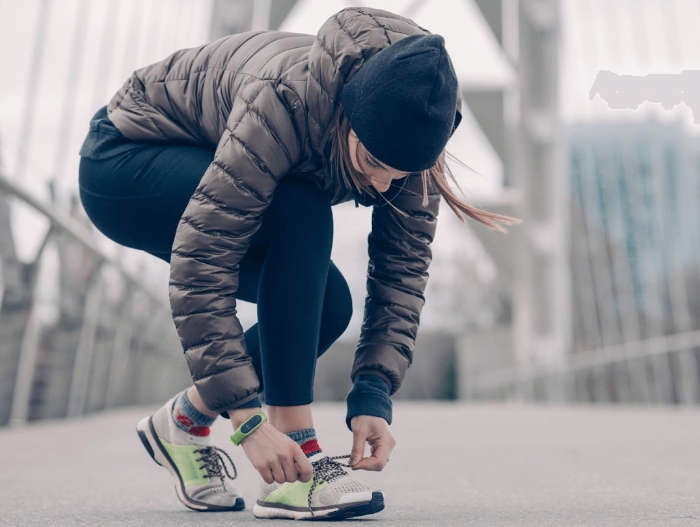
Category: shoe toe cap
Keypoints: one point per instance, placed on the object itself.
(355, 497)
(215, 496)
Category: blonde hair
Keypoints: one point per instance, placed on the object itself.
(436, 176)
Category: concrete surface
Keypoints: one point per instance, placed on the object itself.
(481, 465)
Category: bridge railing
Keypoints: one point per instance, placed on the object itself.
(111, 342)
(659, 370)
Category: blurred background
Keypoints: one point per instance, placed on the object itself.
(595, 297)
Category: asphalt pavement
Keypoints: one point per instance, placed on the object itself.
(454, 464)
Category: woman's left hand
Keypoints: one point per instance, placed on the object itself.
(376, 432)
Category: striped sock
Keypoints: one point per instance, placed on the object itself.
(306, 439)
(189, 419)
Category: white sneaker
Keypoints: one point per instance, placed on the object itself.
(330, 495)
(198, 468)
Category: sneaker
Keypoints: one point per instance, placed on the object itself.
(330, 495)
(198, 468)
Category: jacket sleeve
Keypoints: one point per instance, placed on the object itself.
(257, 149)
(399, 256)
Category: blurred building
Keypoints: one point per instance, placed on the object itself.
(634, 254)
(635, 232)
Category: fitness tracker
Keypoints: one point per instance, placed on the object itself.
(249, 426)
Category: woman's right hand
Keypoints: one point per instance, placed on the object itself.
(271, 452)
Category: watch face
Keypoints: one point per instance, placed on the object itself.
(250, 424)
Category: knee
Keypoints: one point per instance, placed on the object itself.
(337, 309)
(296, 201)
(334, 326)
(342, 312)
(339, 291)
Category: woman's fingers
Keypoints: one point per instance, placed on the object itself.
(275, 456)
(376, 432)
(358, 446)
(294, 465)
(304, 467)
(278, 472)
(266, 474)
(289, 467)
(378, 460)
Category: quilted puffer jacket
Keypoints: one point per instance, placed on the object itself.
(267, 101)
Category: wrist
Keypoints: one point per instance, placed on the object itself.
(364, 419)
(249, 426)
(241, 415)
(369, 397)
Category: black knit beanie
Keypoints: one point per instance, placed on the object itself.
(402, 103)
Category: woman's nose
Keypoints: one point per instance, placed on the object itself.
(381, 183)
(382, 186)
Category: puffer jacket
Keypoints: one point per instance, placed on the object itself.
(267, 100)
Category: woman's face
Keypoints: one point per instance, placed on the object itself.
(378, 174)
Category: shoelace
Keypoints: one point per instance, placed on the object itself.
(326, 469)
(214, 463)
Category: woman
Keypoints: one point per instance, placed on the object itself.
(225, 160)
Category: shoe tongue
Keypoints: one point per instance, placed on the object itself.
(318, 456)
(198, 440)
(183, 438)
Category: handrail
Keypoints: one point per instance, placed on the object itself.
(587, 360)
(78, 232)
(86, 334)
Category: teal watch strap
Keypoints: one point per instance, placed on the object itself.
(249, 426)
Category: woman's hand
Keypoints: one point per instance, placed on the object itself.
(272, 453)
(376, 432)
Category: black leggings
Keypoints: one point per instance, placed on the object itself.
(136, 193)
